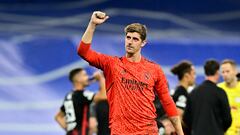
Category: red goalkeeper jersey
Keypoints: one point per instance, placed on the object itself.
(130, 91)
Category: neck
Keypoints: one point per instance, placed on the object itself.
(136, 57)
(212, 79)
(184, 84)
(78, 87)
(232, 84)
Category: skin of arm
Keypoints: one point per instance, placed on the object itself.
(176, 122)
(96, 19)
(101, 95)
(180, 112)
(60, 118)
(92, 125)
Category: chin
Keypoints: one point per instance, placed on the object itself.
(130, 52)
(87, 84)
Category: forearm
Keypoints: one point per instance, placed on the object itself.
(84, 50)
(101, 95)
(96, 19)
(61, 122)
(176, 122)
(102, 89)
(88, 35)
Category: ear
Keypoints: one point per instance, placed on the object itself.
(235, 70)
(144, 43)
(187, 75)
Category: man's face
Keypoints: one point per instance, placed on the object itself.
(191, 76)
(228, 72)
(82, 78)
(133, 42)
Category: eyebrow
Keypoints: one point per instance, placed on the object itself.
(135, 38)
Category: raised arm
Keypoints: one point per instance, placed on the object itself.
(96, 19)
(101, 95)
(161, 87)
(84, 50)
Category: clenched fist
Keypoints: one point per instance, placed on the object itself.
(98, 75)
(98, 17)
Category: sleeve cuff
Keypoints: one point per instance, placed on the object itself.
(83, 43)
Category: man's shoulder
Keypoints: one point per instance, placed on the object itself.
(151, 63)
(181, 90)
(197, 89)
(69, 95)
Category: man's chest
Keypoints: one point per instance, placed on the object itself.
(234, 97)
(134, 77)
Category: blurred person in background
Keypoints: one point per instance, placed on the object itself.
(73, 115)
(93, 123)
(186, 75)
(165, 126)
(208, 110)
(231, 85)
(102, 115)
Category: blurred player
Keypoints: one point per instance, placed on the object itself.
(74, 113)
(208, 110)
(186, 76)
(130, 81)
(232, 87)
(102, 115)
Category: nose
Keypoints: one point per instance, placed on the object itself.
(130, 41)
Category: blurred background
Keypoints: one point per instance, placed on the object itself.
(39, 38)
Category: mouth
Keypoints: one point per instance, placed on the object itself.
(130, 48)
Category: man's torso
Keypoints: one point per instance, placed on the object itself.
(130, 91)
(76, 109)
(206, 109)
(233, 95)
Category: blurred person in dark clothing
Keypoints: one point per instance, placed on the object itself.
(102, 115)
(186, 75)
(74, 114)
(208, 111)
(164, 124)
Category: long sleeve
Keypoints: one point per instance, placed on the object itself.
(161, 87)
(225, 111)
(94, 58)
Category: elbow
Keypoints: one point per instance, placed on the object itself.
(82, 49)
(79, 51)
(56, 117)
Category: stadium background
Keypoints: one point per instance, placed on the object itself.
(38, 41)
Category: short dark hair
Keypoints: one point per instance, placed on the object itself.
(211, 67)
(238, 76)
(181, 68)
(137, 27)
(73, 73)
